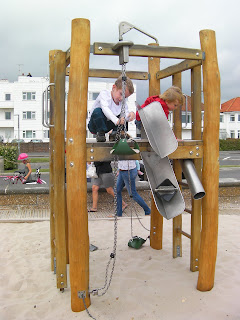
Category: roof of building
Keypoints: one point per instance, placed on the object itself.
(231, 105)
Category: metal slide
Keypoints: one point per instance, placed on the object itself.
(158, 130)
(163, 183)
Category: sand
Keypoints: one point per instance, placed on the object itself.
(147, 284)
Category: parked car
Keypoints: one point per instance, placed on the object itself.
(36, 140)
(17, 141)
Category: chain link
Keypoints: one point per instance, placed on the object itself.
(85, 306)
(115, 169)
(114, 251)
(113, 255)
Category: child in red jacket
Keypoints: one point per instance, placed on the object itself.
(170, 100)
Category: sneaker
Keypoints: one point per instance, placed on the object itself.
(112, 136)
(101, 137)
(125, 135)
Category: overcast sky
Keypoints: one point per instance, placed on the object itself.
(29, 29)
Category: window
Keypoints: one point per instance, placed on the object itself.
(238, 134)
(221, 117)
(7, 115)
(232, 118)
(29, 134)
(46, 133)
(184, 120)
(29, 95)
(29, 115)
(239, 117)
(232, 134)
(7, 96)
(93, 95)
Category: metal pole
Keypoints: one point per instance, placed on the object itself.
(18, 134)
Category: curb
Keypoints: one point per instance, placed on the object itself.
(140, 185)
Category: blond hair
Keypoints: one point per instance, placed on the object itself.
(172, 94)
(129, 84)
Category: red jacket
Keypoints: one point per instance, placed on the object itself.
(152, 99)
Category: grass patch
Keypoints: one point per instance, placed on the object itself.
(33, 171)
(229, 166)
(38, 160)
(42, 170)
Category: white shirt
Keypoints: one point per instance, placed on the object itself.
(110, 109)
(126, 164)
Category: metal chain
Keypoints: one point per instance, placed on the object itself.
(123, 106)
(114, 251)
(132, 206)
(85, 306)
(115, 168)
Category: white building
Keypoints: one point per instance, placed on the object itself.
(6, 110)
(230, 119)
(21, 107)
(21, 110)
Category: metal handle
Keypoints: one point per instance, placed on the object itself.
(186, 111)
(124, 27)
(45, 121)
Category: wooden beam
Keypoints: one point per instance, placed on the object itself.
(196, 217)
(51, 157)
(76, 164)
(210, 172)
(100, 151)
(180, 67)
(68, 57)
(177, 129)
(106, 73)
(156, 227)
(101, 48)
(59, 169)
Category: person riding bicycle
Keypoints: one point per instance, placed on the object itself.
(27, 168)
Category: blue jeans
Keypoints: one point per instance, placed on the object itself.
(99, 122)
(123, 180)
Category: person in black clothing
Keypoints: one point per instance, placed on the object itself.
(105, 178)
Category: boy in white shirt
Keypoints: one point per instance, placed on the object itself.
(105, 113)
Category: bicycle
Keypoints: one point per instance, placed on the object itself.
(19, 176)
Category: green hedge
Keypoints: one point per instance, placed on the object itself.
(10, 155)
(229, 144)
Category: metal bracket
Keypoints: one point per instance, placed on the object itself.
(45, 122)
(124, 27)
(178, 251)
(122, 47)
(82, 294)
(54, 265)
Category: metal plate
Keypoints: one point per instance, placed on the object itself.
(159, 169)
(158, 130)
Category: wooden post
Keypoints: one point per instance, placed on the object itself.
(59, 169)
(177, 129)
(156, 229)
(51, 172)
(211, 89)
(76, 163)
(196, 135)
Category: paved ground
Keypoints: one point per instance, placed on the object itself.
(35, 207)
(33, 204)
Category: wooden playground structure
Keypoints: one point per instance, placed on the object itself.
(69, 216)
